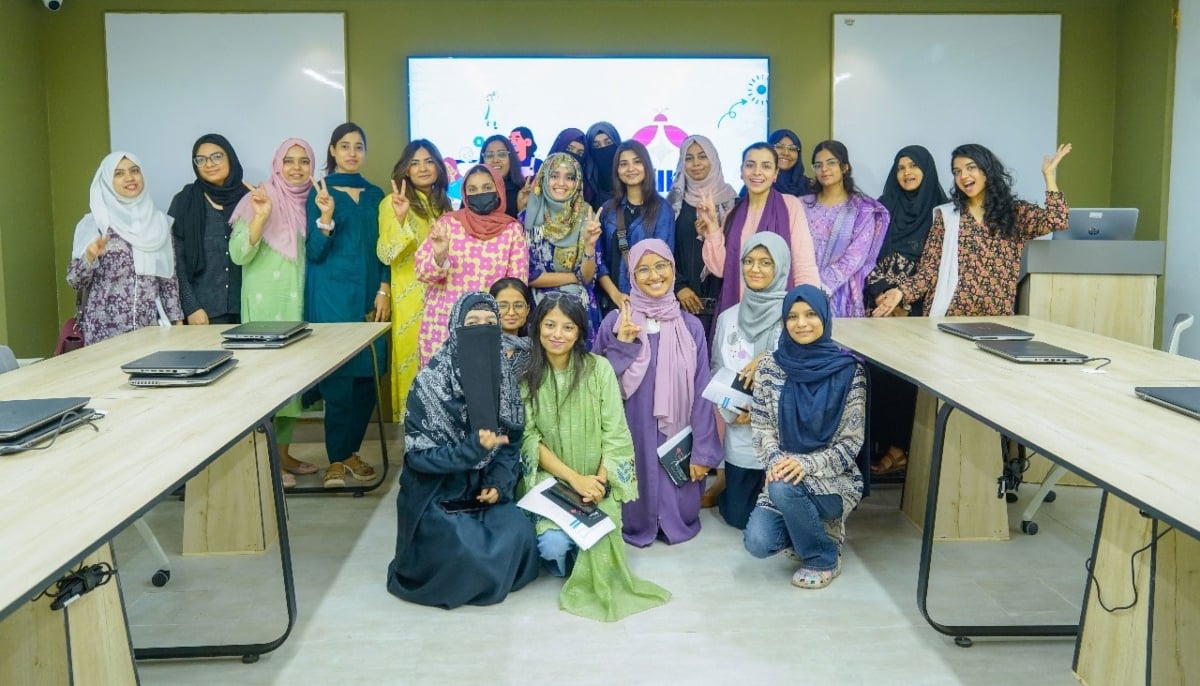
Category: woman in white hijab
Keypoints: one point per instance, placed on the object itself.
(122, 262)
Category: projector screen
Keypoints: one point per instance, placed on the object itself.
(457, 102)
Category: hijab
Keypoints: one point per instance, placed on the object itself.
(598, 163)
(675, 376)
(818, 374)
(288, 221)
(565, 138)
(684, 189)
(792, 181)
(559, 222)
(467, 385)
(188, 207)
(136, 220)
(774, 219)
(758, 313)
(911, 211)
(484, 227)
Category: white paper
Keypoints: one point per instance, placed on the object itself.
(584, 536)
(720, 391)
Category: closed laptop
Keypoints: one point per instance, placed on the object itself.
(168, 380)
(18, 417)
(1032, 352)
(177, 362)
(984, 331)
(264, 331)
(253, 343)
(1183, 399)
(1100, 224)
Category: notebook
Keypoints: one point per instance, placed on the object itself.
(264, 331)
(177, 362)
(18, 417)
(1182, 399)
(984, 331)
(1032, 352)
(201, 379)
(252, 343)
(1100, 224)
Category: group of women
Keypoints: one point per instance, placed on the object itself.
(561, 327)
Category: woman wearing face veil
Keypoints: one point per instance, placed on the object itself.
(460, 537)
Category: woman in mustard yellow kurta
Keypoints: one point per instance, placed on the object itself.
(417, 199)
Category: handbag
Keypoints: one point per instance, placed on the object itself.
(70, 335)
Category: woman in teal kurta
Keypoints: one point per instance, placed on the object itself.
(268, 244)
(346, 282)
(575, 430)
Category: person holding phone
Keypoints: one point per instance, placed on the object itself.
(460, 538)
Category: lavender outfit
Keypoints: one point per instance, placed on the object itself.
(118, 299)
(846, 241)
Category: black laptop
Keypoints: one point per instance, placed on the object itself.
(1182, 399)
(984, 331)
(19, 417)
(177, 363)
(265, 335)
(1032, 352)
(201, 379)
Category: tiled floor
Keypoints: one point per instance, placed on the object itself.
(732, 619)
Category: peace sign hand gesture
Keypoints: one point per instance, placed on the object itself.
(259, 200)
(627, 331)
(523, 194)
(324, 201)
(706, 215)
(439, 240)
(591, 229)
(400, 201)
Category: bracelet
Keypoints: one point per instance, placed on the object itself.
(588, 256)
(326, 227)
(383, 293)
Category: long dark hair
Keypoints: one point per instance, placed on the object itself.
(338, 134)
(515, 176)
(999, 203)
(651, 200)
(520, 287)
(539, 368)
(744, 196)
(439, 202)
(839, 152)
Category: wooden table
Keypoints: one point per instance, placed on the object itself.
(61, 506)
(1095, 425)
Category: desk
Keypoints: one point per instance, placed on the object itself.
(1093, 424)
(62, 505)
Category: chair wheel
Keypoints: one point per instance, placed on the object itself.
(249, 659)
(358, 494)
(1030, 528)
(161, 577)
(1051, 496)
(963, 641)
(1010, 497)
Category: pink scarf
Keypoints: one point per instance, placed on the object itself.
(675, 377)
(288, 220)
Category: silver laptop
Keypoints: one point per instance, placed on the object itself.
(264, 331)
(1100, 224)
(252, 343)
(985, 331)
(1032, 352)
(177, 362)
(45, 432)
(201, 379)
(18, 417)
(1182, 399)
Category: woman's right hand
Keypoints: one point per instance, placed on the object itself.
(259, 200)
(743, 418)
(324, 201)
(706, 215)
(96, 248)
(886, 302)
(591, 488)
(627, 331)
(400, 201)
(439, 240)
(489, 439)
(198, 318)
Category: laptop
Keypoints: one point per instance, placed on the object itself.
(264, 331)
(1100, 224)
(252, 343)
(164, 380)
(984, 331)
(1182, 399)
(177, 362)
(1032, 352)
(18, 417)
(40, 434)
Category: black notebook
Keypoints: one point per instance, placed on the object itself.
(675, 455)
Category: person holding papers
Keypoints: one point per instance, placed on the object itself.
(746, 333)
(807, 426)
(575, 431)
(660, 354)
(460, 538)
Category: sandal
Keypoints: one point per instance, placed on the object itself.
(358, 469)
(816, 578)
(288, 480)
(894, 460)
(301, 468)
(335, 475)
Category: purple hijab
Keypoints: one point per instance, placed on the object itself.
(775, 219)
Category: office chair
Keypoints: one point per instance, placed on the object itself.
(1045, 493)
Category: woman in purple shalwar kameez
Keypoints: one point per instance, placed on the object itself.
(660, 355)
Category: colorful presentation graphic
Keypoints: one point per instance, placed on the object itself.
(457, 102)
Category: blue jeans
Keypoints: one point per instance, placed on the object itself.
(801, 525)
(558, 551)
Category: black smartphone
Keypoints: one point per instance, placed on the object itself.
(463, 505)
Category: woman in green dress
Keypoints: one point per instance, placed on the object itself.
(268, 244)
(575, 431)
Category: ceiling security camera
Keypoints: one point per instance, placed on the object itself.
(53, 5)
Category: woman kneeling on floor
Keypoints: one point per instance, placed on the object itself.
(807, 424)
(460, 537)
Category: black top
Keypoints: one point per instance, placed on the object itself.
(217, 288)
(689, 260)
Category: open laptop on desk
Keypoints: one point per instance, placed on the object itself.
(1032, 352)
(984, 331)
(177, 362)
(201, 379)
(1182, 399)
(1100, 224)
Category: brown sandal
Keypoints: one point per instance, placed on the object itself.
(894, 460)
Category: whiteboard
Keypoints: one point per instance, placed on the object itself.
(1183, 235)
(941, 80)
(254, 78)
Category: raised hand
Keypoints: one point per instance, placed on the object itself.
(523, 194)
(439, 240)
(1050, 162)
(324, 200)
(627, 331)
(591, 229)
(400, 201)
(706, 215)
(96, 248)
(259, 200)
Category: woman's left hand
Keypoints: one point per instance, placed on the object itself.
(788, 470)
(489, 496)
(489, 439)
(698, 472)
(383, 306)
(591, 230)
(1050, 162)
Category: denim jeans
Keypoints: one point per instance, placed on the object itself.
(801, 525)
(558, 551)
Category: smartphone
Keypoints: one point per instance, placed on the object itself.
(463, 505)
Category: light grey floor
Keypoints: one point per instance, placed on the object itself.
(733, 619)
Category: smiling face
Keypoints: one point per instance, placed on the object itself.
(759, 171)
(479, 182)
(802, 323)
(561, 182)
(654, 275)
(828, 169)
(297, 166)
(349, 153)
(127, 179)
(557, 333)
(969, 178)
(758, 269)
(422, 170)
(696, 163)
(513, 310)
(908, 174)
(479, 318)
(214, 167)
(788, 151)
(496, 156)
(631, 169)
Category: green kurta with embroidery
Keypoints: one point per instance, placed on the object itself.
(272, 285)
(585, 429)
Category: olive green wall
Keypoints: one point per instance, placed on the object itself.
(28, 277)
(796, 35)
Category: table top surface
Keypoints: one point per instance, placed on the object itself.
(1091, 421)
(58, 504)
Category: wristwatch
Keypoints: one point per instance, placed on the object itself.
(326, 227)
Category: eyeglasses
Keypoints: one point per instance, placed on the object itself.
(765, 263)
(661, 268)
(213, 159)
(514, 306)
(783, 147)
(829, 164)
(496, 155)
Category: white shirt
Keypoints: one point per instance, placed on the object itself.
(730, 349)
